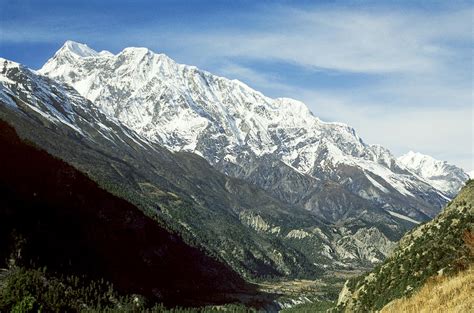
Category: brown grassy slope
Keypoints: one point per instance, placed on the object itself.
(441, 293)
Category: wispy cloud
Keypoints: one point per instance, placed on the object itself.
(336, 39)
(376, 42)
(254, 78)
(440, 131)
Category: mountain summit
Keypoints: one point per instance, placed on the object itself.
(77, 49)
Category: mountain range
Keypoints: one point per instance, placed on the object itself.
(242, 133)
(260, 184)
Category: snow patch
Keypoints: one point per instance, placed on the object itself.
(403, 217)
(376, 184)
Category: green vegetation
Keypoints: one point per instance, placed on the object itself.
(442, 246)
(35, 290)
(32, 290)
(184, 195)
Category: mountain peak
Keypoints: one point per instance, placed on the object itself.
(9, 64)
(77, 49)
(136, 50)
(145, 53)
(418, 155)
(417, 159)
(184, 108)
(444, 176)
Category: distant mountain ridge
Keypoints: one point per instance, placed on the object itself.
(442, 175)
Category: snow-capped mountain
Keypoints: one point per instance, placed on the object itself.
(277, 144)
(181, 106)
(440, 174)
(59, 104)
(237, 222)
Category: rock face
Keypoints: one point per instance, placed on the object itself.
(276, 144)
(440, 174)
(367, 243)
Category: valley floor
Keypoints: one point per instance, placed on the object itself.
(293, 294)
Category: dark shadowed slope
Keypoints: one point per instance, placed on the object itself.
(69, 224)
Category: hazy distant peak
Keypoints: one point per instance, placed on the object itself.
(444, 176)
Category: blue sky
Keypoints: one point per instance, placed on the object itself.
(400, 72)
